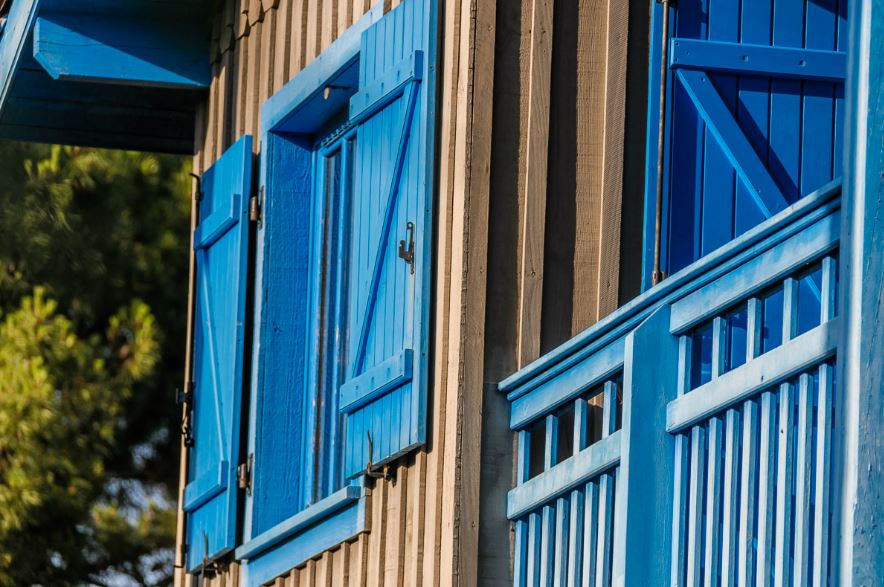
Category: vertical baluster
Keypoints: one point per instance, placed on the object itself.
(547, 544)
(547, 554)
(524, 457)
(580, 425)
(606, 527)
(784, 487)
(828, 301)
(684, 364)
(821, 490)
(719, 346)
(563, 518)
(748, 473)
(790, 309)
(575, 539)
(695, 513)
(609, 409)
(534, 539)
(679, 508)
(804, 450)
(753, 329)
(766, 480)
(590, 533)
(713, 498)
(521, 553)
(729, 515)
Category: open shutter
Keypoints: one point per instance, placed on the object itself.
(754, 115)
(220, 243)
(384, 395)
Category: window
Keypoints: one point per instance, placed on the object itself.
(342, 284)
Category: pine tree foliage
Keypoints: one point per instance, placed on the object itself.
(92, 270)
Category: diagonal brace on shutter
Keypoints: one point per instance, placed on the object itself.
(719, 120)
(410, 97)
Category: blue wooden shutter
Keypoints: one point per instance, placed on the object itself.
(384, 395)
(220, 243)
(754, 116)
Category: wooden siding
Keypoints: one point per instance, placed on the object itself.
(413, 535)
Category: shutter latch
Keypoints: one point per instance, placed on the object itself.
(371, 470)
(407, 254)
(244, 474)
(256, 207)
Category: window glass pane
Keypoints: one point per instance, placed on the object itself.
(810, 288)
(701, 356)
(565, 441)
(537, 448)
(736, 338)
(772, 320)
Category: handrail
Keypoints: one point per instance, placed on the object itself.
(754, 242)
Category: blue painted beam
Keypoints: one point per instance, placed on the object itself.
(122, 50)
(761, 60)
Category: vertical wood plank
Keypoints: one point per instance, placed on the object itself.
(731, 511)
(575, 540)
(282, 52)
(748, 483)
(694, 574)
(785, 467)
(298, 47)
(803, 463)
(679, 508)
(534, 196)
(821, 482)
(590, 534)
(713, 498)
(605, 530)
(766, 483)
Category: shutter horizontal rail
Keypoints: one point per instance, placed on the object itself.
(384, 90)
(377, 381)
(206, 486)
(761, 60)
(565, 476)
(758, 374)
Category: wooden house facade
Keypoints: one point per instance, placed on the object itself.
(507, 292)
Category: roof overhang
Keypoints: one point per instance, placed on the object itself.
(125, 74)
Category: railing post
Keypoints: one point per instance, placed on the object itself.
(643, 517)
(860, 360)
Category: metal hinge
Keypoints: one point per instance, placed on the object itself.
(185, 398)
(256, 207)
(198, 194)
(244, 474)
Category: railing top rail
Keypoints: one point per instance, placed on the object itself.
(617, 324)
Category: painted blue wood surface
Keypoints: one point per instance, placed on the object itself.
(119, 50)
(388, 305)
(861, 377)
(728, 482)
(34, 107)
(755, 95)
(221, 242)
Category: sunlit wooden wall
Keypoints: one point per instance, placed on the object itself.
(423, 522)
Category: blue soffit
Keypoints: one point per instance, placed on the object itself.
(125, 74)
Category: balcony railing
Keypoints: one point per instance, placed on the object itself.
(689, 435)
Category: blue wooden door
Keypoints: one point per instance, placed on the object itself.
(220, 244)
(384, 394)
(754, 116)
